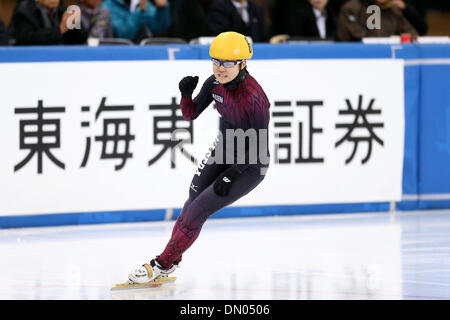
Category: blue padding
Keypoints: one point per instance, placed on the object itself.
(43, 220)
(186, 51)
(315, 51)
(407, 205)
(411, 154)
(434, 204)
(101, 53)
(434, 51)
(260, 211)
(434, 170)
(406, 51)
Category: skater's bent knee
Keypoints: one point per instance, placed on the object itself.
(194, 216)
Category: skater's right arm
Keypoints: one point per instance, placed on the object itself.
(191, 108)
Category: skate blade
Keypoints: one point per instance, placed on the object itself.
(151, 284)
(167, 279)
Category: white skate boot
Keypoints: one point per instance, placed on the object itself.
(150, 275)
(150, 272)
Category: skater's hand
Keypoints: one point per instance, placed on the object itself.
(187, 85)
(224, 182)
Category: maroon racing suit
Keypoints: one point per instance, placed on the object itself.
(243, 105)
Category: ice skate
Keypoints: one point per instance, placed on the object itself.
(149, 275)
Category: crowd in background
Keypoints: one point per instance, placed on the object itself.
(48, 22)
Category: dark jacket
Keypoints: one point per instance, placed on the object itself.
(353, 17)
(31, 26)
(223, 17)
(4, 37)
(188, 19)
(415, 18)
(304, 24)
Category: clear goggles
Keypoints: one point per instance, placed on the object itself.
(226, 64)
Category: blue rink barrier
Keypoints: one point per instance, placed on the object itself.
(426, 170)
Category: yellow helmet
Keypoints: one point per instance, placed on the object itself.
(230, 46)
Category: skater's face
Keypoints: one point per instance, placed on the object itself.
(226, 72)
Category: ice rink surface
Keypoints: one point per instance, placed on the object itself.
(401, 255)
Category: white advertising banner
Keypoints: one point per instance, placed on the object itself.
(97, 136)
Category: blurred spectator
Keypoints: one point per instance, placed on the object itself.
(335, 5)
(4, 36)
(282, 15)
(353, 21)
(243, 16)
(412, 15)
(189, 18)
(138, 19)
(314, 21)
(265, 5)
(44, 22)
(97, 20)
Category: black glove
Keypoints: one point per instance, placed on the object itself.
(224, 182)
(187, 85)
